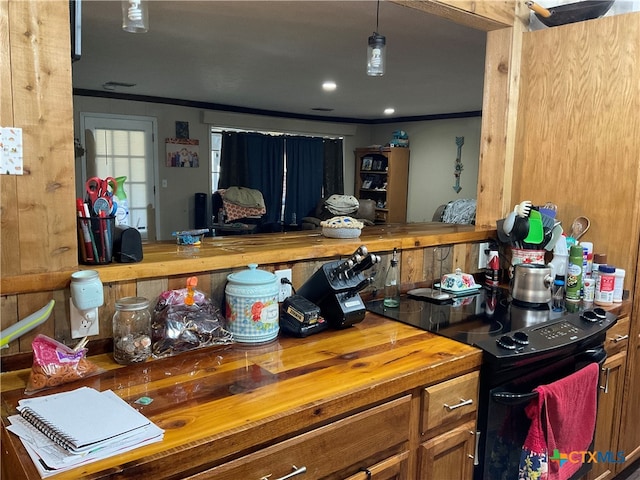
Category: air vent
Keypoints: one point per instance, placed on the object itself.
(320, 109)
(114, 85)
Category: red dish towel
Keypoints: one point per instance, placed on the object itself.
(563, 418)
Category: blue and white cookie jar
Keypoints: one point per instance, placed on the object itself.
(251, 308)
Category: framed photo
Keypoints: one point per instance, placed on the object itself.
(182, 152)
(377, 165)
(182, 129)
(366, 184)
(366, 163)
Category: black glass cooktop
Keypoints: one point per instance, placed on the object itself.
(502, 328)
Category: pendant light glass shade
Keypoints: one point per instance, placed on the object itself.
(135, 16)
(376, 55)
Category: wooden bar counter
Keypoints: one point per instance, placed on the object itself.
(223, 253)
(334, 403)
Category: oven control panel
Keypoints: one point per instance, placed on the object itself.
(550, 335)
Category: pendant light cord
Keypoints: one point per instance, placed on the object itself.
(377, 15)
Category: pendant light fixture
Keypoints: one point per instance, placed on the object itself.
(135, 16)
(376, 50)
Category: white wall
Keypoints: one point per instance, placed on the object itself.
(433, 153)
(432, 161)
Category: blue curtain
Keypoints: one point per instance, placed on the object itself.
(333, 182)
(254, 160)
(305, 167)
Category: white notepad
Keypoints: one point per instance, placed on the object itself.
(83, 419)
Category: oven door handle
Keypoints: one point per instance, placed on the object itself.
(597, 355)
(508, 398)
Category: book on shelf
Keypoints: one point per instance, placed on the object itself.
(64, 430)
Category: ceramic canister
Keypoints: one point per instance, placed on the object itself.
(251, 311)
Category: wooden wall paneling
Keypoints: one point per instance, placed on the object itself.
(499, 114)
(578, 142)
(9, 252)
(9, 316)
(412, 266)
(481, 15)
(27, 304)
(61, 313)
(39, 42)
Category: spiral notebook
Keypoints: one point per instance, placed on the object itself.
(82, 420)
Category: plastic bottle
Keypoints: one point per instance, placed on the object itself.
(605, 285)
(392, 283)
(574, 274)
(122, 214)
(492, 272)
(558, 294)
(618, 287)
(589, 290)
(598, 259)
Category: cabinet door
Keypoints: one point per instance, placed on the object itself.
(334, 451)
(449, 455)
(608, 418)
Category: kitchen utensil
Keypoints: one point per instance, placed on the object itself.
(523, 209)
(535, 235)
(532, 283)
(579, 227)
(520, 229)
(509, 221)
(570, 12)
(556, 233)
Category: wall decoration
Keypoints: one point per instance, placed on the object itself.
(182, 152)
(458, 168)
(182, 129)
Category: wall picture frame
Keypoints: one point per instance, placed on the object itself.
(367, 163)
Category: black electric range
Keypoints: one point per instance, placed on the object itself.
(505, 329)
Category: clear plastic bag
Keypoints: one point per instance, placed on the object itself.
(56, 364)
(185, 319)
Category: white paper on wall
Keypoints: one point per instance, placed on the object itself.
(11, 151)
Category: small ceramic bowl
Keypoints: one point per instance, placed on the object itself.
(190, 237)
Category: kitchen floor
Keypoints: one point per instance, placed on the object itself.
(631, 473)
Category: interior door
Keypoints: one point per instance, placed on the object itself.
(123, 145)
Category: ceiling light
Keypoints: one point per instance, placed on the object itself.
(329, 86)
(135, 16)
(389, 111)
(376, 51)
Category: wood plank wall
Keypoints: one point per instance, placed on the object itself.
(37, 223)
(578, 140)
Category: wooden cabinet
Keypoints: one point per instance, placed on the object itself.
(382, 175)
(376, 440)
(448, 421)
(607, 435)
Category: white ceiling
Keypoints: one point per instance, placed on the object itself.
(273, 55)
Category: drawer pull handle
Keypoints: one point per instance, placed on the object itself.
(605, 389)
(619, 338)
(462, 403)
(296, 471)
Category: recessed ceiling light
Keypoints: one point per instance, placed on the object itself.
(389, 111)
(329, 86)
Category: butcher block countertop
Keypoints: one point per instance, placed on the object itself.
(220, 403)
(219, 253)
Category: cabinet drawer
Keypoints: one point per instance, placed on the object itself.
(618, 336)
(336, 450)
(449, 401)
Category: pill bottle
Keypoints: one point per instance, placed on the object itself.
(598, 259)
(589, 290)
(618, 286)
(131, 330)
(604, 285)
